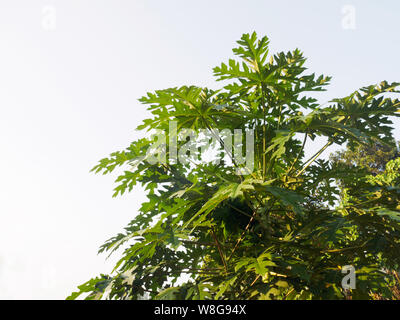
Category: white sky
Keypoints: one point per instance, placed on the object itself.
(68, 97)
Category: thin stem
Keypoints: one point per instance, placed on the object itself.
(255, 280)
(301, 150)
(264, 132)
(238, 210)
(219, 250)
(290, 291)
(243, 233)
(221, 142)
(280, 116)
(223, 145)
(315, 156)
(344, 249)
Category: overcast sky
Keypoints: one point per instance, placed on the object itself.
(70, 75)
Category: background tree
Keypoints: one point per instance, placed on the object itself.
(382, 162)
(373, 157)
(273, 233)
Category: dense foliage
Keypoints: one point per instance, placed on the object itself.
(372, 157)
(381, 165)
(281, 231)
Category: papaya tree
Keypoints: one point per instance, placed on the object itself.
(267, 225)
